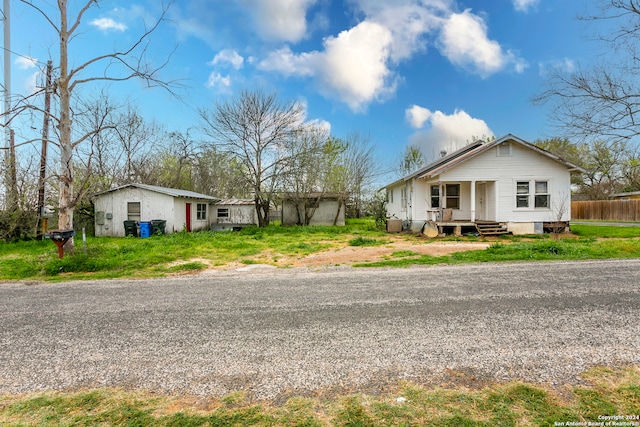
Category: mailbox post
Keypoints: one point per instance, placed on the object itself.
(60, 237)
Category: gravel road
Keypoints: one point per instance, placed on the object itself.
(283, 332)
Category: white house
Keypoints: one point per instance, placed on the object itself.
(506, 184)
(182, 210)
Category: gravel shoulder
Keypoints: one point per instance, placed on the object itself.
(277, 333)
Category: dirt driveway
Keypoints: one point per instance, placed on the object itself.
(348, 255)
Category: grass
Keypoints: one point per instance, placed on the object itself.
(156, 256)
(178, 253)
(608, 391)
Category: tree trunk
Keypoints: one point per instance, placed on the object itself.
(335, 219)
(65, 199)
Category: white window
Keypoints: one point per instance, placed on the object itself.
(201, 211)
(542, 195)
(403, 198)
(223, 213)
(452, 194)
(522, 194)
(435, 196)
(390, 196)
(539, 198)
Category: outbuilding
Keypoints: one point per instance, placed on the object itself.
(182, 210)
(233, 214)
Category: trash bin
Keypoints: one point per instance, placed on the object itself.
(145, 229)
(158, 226)
(130, 228)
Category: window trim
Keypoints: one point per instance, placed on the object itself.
(220, 212)
(201, 211)
(452, 197)
(532, 197)
(545, 194)
(434, 196)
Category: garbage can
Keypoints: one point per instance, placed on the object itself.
(158, 226)
(130, 228)
(145, 229)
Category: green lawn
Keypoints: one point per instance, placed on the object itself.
(157, 256)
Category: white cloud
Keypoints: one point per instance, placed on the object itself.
(26, 63)
(524, 5)
(108, 24)
(407, 20)
(445, 132)
(464, 41)
(228, 56)
(564, 65)
(357, 66)
(31, 82)
(280, 20)
(417, 116)
(352, 68)
(219, 82)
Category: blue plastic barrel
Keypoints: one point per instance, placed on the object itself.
(145, 229)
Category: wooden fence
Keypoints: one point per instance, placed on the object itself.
(606, 210)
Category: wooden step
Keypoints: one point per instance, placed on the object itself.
(493, 228)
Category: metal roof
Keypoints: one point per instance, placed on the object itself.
(441, 165)
(186, 194)
(235, 202)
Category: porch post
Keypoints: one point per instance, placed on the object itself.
(473, 201)
(442, 200)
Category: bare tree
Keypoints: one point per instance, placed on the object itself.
(411, 161)
(257, 130)
(603, 101)
(118, 65)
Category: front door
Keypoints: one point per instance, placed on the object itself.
(481, 201)
(188, 221)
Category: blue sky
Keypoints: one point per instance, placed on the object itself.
(428, 72)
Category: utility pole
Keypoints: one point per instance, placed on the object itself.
(42, 220)
(10, 156)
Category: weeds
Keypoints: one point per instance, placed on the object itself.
(607, 391)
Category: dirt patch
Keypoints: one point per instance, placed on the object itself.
(348, 255)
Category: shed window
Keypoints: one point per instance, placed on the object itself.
(452, 194)
(133, 211)
(201, 211)
(223, 212)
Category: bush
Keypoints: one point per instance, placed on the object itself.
(18, 225)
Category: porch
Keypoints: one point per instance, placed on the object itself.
(460, 227)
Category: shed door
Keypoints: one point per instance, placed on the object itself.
(188, 215)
